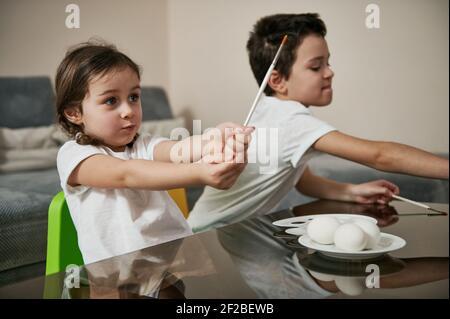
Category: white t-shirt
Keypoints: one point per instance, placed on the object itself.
(285, 130)
(112, 222)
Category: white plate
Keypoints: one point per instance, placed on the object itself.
(386, 244)
(301, 221)
(297, 231)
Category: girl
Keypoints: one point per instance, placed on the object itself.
(112, 177)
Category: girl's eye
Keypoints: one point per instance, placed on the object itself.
(111, 101)
(315, 69)
(134, 97)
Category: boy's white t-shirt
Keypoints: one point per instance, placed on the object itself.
(262, 185)
(113, 222)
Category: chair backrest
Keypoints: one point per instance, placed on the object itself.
(180, 198)
(62, 239)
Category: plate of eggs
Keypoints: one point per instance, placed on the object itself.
(348, 237)
(301, 221)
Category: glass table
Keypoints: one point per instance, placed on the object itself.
(256, 259)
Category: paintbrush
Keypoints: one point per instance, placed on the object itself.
(419, 204)
(264, 82)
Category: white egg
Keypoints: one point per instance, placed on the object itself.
(351, 286)
(321, 229)
(372, 232)
(350, 237)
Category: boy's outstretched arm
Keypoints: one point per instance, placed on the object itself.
(379, 191)
(384, 156)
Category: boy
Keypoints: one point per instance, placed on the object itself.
(303, 78)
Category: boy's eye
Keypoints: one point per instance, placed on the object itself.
(317, 68)
(111, 101)
(134, 97)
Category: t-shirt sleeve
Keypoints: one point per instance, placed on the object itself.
(69, 156)
(299, 133)
(149, 142)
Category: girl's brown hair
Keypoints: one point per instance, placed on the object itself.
(81, 64)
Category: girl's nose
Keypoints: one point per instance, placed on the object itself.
(126, 111)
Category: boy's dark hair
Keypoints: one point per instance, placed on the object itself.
(266, 38)
(81, 64)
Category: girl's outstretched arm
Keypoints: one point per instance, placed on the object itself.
(103, 171)
(194, 148)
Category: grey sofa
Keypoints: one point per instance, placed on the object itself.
(25, 195)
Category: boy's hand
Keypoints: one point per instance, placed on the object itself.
(379, 191)
(221, 175)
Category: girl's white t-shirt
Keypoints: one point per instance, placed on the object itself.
(113, 222)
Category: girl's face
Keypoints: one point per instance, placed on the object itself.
(112, 110)
(311, 75)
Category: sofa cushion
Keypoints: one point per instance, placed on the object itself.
(30, 102)
(155, 104)
(26, 101)
(44, 182)
(24, 201)
(162, 127)
(23, 228)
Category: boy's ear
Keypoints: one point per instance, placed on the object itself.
(73, 114)
(277, 83)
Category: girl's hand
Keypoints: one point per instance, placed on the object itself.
(379, 191)
(221, 175)
(236, 145)
(227, 142)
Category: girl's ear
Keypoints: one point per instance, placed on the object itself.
(74, 115)
(277, 83)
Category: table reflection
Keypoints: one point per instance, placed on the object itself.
(275, 265)
(267, 263)
(385, 215)
(154, 272)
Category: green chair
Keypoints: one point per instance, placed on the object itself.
(62, 247)
(62, 240)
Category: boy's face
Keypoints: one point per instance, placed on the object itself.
(112, 110)
(310, 80)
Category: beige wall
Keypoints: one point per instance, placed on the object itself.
(390, 84)
(34, 38)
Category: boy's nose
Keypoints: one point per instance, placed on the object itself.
(329, 73)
